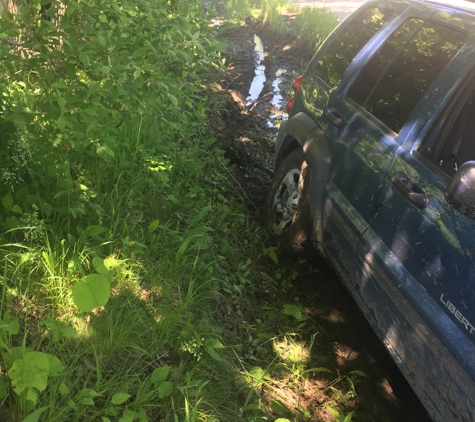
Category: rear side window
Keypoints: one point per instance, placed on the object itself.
(397, 76)
(349, 42)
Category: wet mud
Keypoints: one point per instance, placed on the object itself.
(261, 69)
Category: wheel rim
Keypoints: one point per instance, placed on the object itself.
(286, 201)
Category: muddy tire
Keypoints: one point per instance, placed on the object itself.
(286, 209)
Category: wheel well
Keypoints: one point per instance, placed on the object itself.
(290, 146)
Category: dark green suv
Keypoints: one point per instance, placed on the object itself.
(375, 170)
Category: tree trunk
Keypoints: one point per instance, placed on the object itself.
(8, 5)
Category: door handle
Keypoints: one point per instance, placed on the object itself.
(334, 117)
(410, 190)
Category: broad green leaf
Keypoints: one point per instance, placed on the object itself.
(55, 365)
(137, 73)
(7, 201)
(34, 417)
(357, 372)
(101, 40)
(282, 420)
(17, 209)
(213, 354)
(99, 266)
(95, 230)
(160, 374)
(112, 264)
(72, 404)
(195, 36)
(200, 215)
(252, 406)
(104, 419)
(165, 389)
(153, 226)
(31, 371)
(61, 122)
(90, 112)
(85, 60)
(9, 324)
(212, 342)
(173, 99)
(105, 152)
(140, 51)
(128, 416)
(278, 406)
(257, 373)
(93, 88)
(91, 292)
(61, 102)
(142, 415)
(111, 411)
(89, 401)
(15, 353)
(295, 311)
(349, 417)
(63, 389)
(31, 395)
(59, 329)
(59, 85)
(120, 398)
(272, 255)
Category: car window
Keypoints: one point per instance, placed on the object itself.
(397, 76)
(349, 42)
(451, 145)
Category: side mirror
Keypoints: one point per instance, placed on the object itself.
(460, 192)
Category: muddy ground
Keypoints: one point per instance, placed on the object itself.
(251, 121)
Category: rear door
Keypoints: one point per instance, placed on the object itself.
(322, 86)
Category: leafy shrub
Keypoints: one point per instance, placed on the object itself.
(74, 72)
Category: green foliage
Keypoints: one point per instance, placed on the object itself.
(339, 416)
(313, 25)
(91, 292)
(28, 370)
(31, 373)
(74, 73)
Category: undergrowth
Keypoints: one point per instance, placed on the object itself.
(126, 266)
(309, 25)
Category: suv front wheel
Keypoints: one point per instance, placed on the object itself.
(286, 209)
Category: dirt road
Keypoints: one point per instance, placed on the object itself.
(341, 8)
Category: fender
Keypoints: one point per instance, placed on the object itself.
(301, 131)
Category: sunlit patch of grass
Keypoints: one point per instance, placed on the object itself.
(292, 351)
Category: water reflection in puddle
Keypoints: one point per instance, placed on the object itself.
(278, 113)
(260, 73)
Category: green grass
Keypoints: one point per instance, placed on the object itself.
(312, 25)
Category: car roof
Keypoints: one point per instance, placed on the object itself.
(462, 10)
(466, 6)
